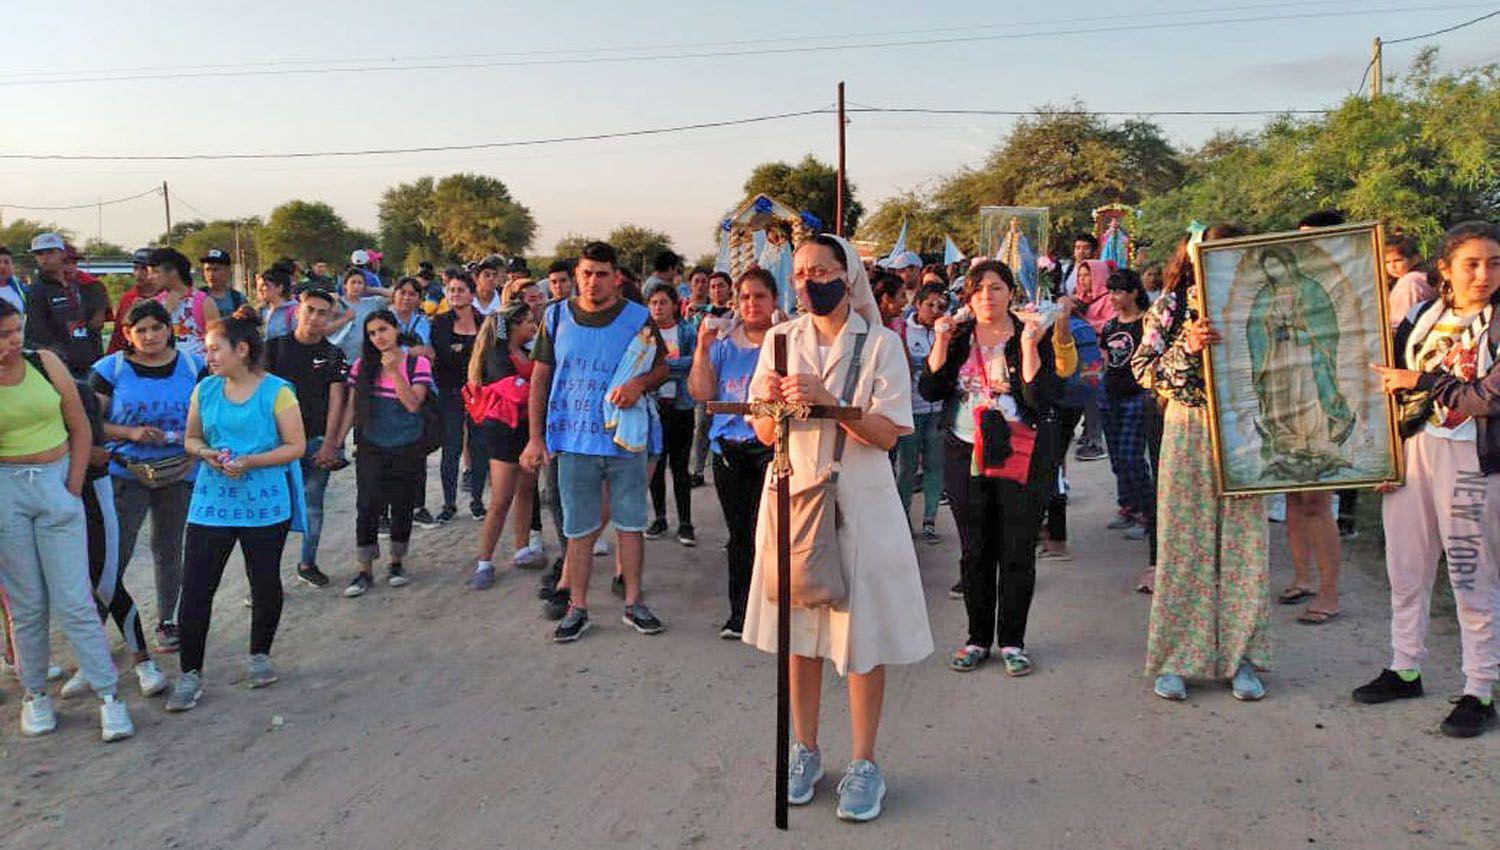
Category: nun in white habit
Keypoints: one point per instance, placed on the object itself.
(884, 619)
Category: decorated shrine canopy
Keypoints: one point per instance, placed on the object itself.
(763, 232)
(1112, 226)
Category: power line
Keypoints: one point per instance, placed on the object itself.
(1364, 76)
(155, 190)
(554, 50)
(654, 131)
(722, 54)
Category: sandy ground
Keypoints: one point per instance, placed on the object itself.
(432, 716)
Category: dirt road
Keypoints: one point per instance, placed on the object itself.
(435, 717)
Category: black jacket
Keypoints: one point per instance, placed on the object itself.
(1479, 399)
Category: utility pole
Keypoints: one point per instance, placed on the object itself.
(166, 199)
(838, 222)
(1376, 70)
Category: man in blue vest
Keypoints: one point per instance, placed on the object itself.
(581, 344)
(10, 286)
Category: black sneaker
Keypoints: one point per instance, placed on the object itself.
(1469, 718)
(445, 515)
(311, 576)
(1089, 451)
(547, 584)
(557, 605)
(476, 509)
(384, 529)
(732, 629)
(956, 591)
(572, 626)
(166, 637)
(422, 517)
(640, 618)
(657, 528)
(1386, 687)
(686, 537)
(1347, 531)
(697, 480)
(617, 585)
(360, 584)
(396, 577)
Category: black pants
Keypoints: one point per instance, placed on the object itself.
(677, 445)
(206, 551)
(110, 596)
(1153, 451)
(998, 538)
(1056, 509)
(384, 478)
(739, 479)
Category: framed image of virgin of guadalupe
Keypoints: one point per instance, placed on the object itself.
(1293, 402)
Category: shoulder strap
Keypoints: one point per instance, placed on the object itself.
(35, 359)
(553, 317)
(856, 361)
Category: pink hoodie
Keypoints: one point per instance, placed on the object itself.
(1097, 307)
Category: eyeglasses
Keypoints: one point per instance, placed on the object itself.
(807, 273)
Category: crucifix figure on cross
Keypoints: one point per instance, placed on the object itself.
(783, 413)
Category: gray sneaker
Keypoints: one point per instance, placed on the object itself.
(861, 791)
(259, 672)
(804, 769)
(186, 692)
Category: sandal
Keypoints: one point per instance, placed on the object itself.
(968, 658)
(1016, 663)
(1294, 594)
(1313, 617)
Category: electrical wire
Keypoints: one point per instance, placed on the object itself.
(1364, 77)
(721, 54)
(155, 190)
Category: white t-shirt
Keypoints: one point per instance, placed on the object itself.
(491, 306)
(973, 393)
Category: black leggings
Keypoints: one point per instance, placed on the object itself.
(1055, 512)
(205, 553)
(110, 595)
(384, 478)
(677, 439)
(739, 478)
(998, 562)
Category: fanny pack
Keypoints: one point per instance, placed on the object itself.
(158, 473)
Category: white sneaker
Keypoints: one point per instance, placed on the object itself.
(534, 541)
(601, 547)
(153, 680)
(37, 715)
(54, 673)
(114, 720)
(529, 556)
(74, 687)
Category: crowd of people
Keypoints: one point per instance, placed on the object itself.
(573, 398)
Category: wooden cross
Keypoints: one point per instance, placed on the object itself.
(781, 469)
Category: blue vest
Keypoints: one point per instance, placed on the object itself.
(263, 496)
(585, 361)
(158, 402)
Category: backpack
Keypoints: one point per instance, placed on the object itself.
(431, 438)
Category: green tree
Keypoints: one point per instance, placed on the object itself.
(472, 215)
(221, 234)
(406, 235)
(568, 247)
(809, 186)
(706, 261)
(97, 248)
(637, 246)
(17, 235)
(180, 231)
(1066, 159)
(925, 224)
(308, 231)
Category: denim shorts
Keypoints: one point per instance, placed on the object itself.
(580, 483)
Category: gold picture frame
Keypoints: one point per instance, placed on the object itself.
(1293, 405)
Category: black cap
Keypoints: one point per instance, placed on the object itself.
(141, 257)
(214, 255)
(493, 261)
(518, 264)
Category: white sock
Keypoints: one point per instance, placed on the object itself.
(535, 540)
(485, 565)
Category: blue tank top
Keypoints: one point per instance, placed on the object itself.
(585, 361)
(263, 496)
(157, 402)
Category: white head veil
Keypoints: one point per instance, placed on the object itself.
(861, 296)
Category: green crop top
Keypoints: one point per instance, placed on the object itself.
(31, 419)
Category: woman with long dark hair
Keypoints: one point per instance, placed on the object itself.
(388, 386)
(498, 383)
(721, 371)
(1001, 362)
(676, 408)
(453, 336)
(1128, 409)
(1210, 609)
(245, 427)
(278, 312)
(1447, 386)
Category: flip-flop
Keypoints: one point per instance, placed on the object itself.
(1311, 617)
(1295, 594)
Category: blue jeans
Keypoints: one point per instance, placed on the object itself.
(456, 423)
(925, 445)
(580, 483)
(314, 485)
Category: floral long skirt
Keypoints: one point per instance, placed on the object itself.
(1211, 606)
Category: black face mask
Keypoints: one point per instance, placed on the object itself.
(824, 296)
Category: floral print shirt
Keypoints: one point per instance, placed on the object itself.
(1169, 369)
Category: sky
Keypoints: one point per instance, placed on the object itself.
(567, 67)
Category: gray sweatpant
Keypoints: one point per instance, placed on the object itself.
(168, 507)
(44, 567)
